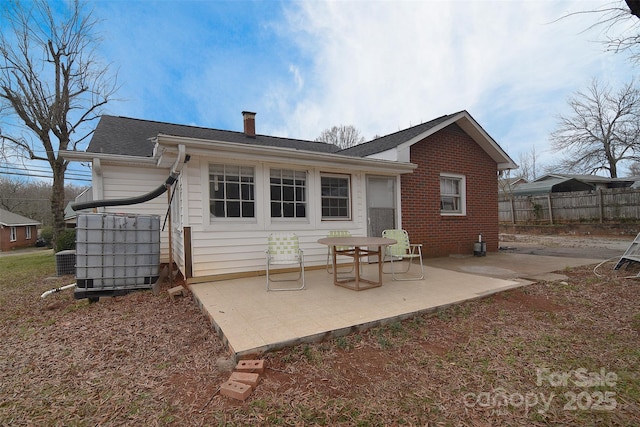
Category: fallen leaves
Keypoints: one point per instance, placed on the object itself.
(141, 359)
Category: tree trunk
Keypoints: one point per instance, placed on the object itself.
(57, 199)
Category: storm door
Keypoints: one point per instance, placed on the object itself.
(381, 205)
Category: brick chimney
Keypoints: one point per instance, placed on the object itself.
(249, 119)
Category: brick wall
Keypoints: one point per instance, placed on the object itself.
(450, 151)
(21, 238)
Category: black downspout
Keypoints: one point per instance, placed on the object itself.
(173, 177)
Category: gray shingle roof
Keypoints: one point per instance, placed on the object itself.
(591, 179)
(11, 219)
(554, 184)
(390, 141)
(127, 136)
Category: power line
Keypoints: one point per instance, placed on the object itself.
(30, 165)
(45, 176)
(30, 200)
(67, 175)
(30, 170)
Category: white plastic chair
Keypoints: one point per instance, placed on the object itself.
(284, 249)
(403, 249)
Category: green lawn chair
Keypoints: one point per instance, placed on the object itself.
(402, 250)
(337, 233)
(284, 249)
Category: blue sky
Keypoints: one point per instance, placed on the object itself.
(380, 66)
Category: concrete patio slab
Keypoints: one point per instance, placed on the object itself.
(505, 265)
(252, 321)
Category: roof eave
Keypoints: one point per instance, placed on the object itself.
(208, 147)
(482, 138)
(84, 156)
(507, 166)
(475, 131)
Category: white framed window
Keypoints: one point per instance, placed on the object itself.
(28, 232)
(335, 193)
(288, 193)
(232, 191)
(13, 234)
(452, 194)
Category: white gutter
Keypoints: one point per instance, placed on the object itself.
(97, 166)
(241, 151)
(209, 147)
(84, 156)
(179, 163)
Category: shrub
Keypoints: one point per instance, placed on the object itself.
(66, 240)
(46, 234)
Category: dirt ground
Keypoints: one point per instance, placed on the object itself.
(552, 353)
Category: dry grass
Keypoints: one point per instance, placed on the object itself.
(144, 360)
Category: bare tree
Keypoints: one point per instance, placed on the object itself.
(527, 171)
(51, 85)
(11, 191)
(342, 136)
(527, 165)
(602, 131)
(31, 198)
(634, 169)
(628, 19)
(620, 25)
(505, 187)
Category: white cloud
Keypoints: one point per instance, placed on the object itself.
(381, 66)
(297, 78)
(384, 66)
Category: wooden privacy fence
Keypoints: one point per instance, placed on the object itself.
(598, 206)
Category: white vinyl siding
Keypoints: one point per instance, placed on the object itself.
(221, 246)
(121, 182)
(234, 245)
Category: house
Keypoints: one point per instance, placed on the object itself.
(16, 231)
(70, 215)
(230, 190)
(506, 185)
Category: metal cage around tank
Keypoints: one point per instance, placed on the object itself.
(116, 253)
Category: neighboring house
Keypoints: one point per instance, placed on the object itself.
(506, 185)
(16, 231)
(437, 180)
(562, 183)
(71, 216)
